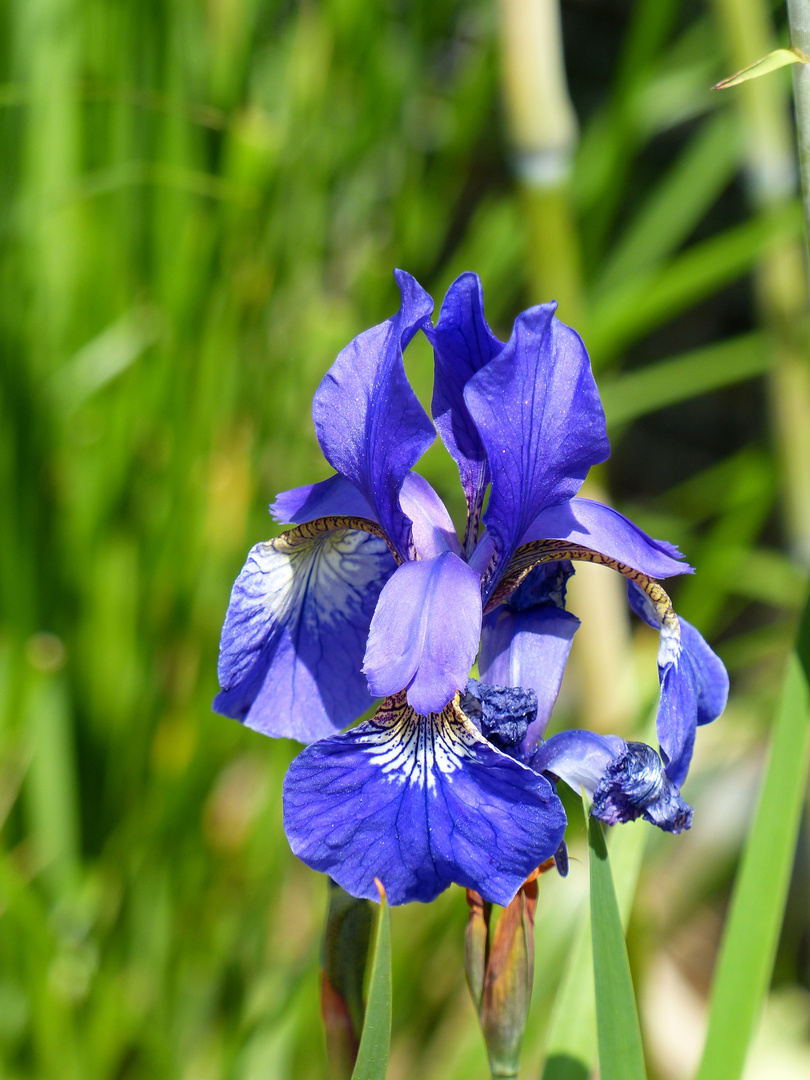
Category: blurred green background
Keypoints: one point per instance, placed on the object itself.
(200, 204)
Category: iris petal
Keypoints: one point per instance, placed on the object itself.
(425, 632)
(530, 649)
(295, 633)
(593, 525)
(335, 497)
(540, 419)
(433, 529)
(463, 343)
(419, 802)
(694, 687)
(368, 420)
(624, 780)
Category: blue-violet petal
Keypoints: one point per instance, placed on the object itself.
(530, 649)
(540, 419)
(335, 497)
(369, 422)
(419, 802)
(433, 529)
(295, 633)
(694, 686)
(463, 343)
(425, 632)
(603, 529)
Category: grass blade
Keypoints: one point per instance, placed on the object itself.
(372, 1057)
(345, 955)
(752, 931)
(625, 313)
(680, 378)
(571, 1043)
(620, 1053)
(772, 62)
(679, 202)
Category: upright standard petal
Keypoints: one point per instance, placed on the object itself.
(419, 802)
(463, 343)
(295, 633)
(694, 686)
(425, 632)
(335, 497)
(540, 419)
(603, 529)
(369, 422)
(623, 780)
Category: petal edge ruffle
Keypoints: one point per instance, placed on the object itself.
(624, 780)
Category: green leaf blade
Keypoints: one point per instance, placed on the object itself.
(752, 931)
(625, 312)
(372, 1057)
(571, 1046)
(620, 1052)
(637, 393)
(779, 58)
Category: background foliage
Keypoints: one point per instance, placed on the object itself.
(199, 205)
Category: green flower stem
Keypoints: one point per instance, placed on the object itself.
(747, 32)
(799, 19)
(375, 1041)
(621, 1055)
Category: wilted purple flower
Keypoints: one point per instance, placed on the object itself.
(373, 595)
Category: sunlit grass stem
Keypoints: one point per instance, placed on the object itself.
(799, 19)
(747, 33)
(543, 132)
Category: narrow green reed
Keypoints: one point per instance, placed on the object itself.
(752, 930)
(571, 1043)
(799, 20)
(621, 1056)
(372, 1056)
(543, 134)
(746, 33)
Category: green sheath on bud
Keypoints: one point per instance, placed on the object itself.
(500, 970)
(477, 946)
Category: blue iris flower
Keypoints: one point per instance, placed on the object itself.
(373, 595)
